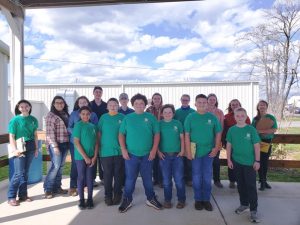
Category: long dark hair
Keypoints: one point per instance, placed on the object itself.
(213, 95)
(76, 106)
(258, 115)
(17, 111)
(53, 109)
(229, 106)
(161, 102)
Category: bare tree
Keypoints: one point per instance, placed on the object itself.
(275, 56)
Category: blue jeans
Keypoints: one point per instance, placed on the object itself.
(53, 179)
(18, 181)
(172, 166)
(73, 171)
(85, 177)
(133, 166)
(202, 175)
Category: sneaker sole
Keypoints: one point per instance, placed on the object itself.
(153, 206)
(123, 211)
(242, 212)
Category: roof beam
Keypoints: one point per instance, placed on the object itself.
(66, 3)
(15, 9)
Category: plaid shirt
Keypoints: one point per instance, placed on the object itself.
(156, 112)
(56, 131)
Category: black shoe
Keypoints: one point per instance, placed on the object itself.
(268, 186)
(262, 186)
(117, 199)
(218, 184)
(125, 205)
(90, 204)
(207, 206)
(108, 201)
(154, 203)
(198, 205)
(81, 205)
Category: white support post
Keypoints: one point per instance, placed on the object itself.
(16, 57)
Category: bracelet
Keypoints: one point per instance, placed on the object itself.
(257, 161)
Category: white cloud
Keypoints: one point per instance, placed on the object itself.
(31, 50)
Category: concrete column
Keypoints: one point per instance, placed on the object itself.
(16, 25)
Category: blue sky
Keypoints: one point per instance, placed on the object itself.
(143, 42)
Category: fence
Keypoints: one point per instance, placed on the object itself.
(278, 139)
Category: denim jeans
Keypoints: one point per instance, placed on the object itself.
(246, 184)
(172, 166)
(187, 169)
(157, 174)
(202, 175)
(18, 181)
(53, 179)
(73, 171)
(113, 173)
(216, 168)
(134, 166)
(85, 177)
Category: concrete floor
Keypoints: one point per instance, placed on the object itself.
(278, 206)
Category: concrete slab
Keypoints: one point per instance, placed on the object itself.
(63, 210)
(279, 206)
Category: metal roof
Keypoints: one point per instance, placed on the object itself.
(64, 3)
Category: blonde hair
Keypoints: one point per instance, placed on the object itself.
(240, 109)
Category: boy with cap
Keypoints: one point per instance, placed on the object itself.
(124, 109)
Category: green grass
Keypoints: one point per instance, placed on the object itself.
(290, 130)
(293, 118)
(274, 174)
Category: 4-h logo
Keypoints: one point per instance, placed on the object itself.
(120, 121)
(175, 128)
(209, 122)
(146, 120)
(248, 136)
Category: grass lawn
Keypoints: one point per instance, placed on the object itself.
(289, 130)
(294, 118)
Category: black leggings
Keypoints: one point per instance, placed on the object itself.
(264, 161)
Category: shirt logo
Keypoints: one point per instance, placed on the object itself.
(209, 122)
(120, 121)
(248, 136)
(146, 120)
(175, 128)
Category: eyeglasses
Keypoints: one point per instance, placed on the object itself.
(59, 103)
(185, 100)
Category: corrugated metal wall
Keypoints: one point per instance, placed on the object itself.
(246, 91)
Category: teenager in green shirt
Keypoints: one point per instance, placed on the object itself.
(85, 154)
(203, 134)
(171, 151)
(244, 139)
(139, 139)
(181, 114)
(266, 135)
(22, 132)
(110, 153)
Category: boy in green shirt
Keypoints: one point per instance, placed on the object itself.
(203, 135)
(139, 139)
(110, 152)
(181, 114)
(85, 154)
(245, 141)
(171, 150)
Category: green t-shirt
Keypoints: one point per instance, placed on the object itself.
(242, 141)
(267, 136)
(202, 129)
(87, 135)
(109, 127)
(170, 136)
(181, 114)
(23, 126)
(139, 130)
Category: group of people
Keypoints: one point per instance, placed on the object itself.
(159, 143)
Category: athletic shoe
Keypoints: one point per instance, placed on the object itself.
(207, 206)
(154, 203)
(253, 217)
(198, 205)
(241, 209)
(125, 205)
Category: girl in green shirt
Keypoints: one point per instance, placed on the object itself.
(23, 147)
